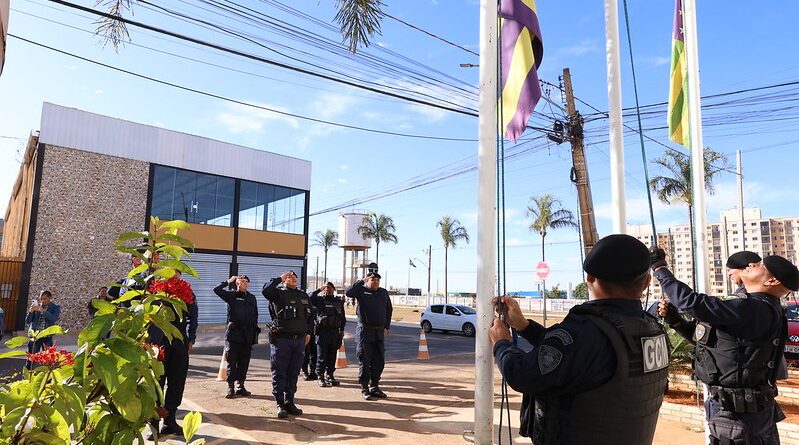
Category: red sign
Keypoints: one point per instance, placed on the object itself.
(542, 270)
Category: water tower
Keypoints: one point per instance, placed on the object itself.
(355, 247)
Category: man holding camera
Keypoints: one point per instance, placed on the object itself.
(241, 333)
(41, 315)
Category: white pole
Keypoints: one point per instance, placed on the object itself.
(741, 198)
(697, 146)
(612, 49)
(486, 226)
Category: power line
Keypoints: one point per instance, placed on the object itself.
(432, 35)
(239, 102)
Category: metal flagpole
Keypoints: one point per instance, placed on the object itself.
(486, 225)
(613, 54)
(741, 198)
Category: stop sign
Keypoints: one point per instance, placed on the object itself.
(542, 270)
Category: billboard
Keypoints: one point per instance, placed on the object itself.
(4, 4)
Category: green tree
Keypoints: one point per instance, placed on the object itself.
(378, 228)
(547, 213)
(359, 21)
(581, 291)
(676, 187)
(557, 293)
(108, 390)
(325, 241)
(451, 232)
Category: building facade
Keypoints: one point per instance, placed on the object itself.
(90, 178)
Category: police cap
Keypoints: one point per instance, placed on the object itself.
(783, 270)
(617, 258)
(245, 277)
(330, 284)
(373, 274)
(740, 260)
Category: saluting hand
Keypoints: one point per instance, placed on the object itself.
(232, 279)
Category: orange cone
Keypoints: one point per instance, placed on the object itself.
(222, 376)
(423, 355)
(341, 357)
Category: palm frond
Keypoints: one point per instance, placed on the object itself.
(359, 21)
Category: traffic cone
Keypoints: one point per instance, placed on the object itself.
(222, 376)
(423, 355)
(341, 357)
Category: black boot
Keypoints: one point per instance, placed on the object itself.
(332, 380)
(312, 376)
(375, 392)
(242, 391)
(292, 409)
(281, 410)
(305, 375)
(365, 393)
(231, 391)
(170, 427)
(323, 383)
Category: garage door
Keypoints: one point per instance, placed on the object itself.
(212, 269)
(261, 270)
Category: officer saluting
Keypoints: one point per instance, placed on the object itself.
(374, 320)
(329, 325)
(739, 345)
(242, 332)
(599, 376)
(291, 330)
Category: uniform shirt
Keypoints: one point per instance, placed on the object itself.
(374, 306)
(242, 314)
(319, 302)
(586, 360)
(272, 291)
(747, 318)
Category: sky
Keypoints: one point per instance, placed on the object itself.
(739, 48)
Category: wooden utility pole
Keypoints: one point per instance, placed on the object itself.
(579, 167)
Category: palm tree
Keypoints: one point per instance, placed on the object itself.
(325, 241)
(451, 232)
(678, 186)
(379, 228)
(547, 213)
(358, 21)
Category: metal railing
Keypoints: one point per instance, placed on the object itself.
(10, 282)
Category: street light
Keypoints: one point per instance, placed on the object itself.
(468, 65)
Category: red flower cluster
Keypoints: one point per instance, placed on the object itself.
(162, 412)
(52, 358)
(160, 348)
(175, 287)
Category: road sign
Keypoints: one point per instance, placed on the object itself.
(542, 270)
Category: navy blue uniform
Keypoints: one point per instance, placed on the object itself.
(328, 340)
(287, 349)
(745, 318)
(309, 361)
(241, 333)
(374, 316)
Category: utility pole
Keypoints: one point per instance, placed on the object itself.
(317, 272)
(579, 167)
(429, 264)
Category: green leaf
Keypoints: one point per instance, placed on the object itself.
(96, 330)
(147, 402)
(127, 236)
(166, 272)
(128, 351)
(124, 437)
(176, 252)
(16, 342)
(41, 437)
(139, 269)
(12, 420)
(11, 354)
(191, 423)
(129, 406)
(103, 307)
(129, 295)
(105, 366)
(57, 425)
(52, 330)
(176, 224)
(177, 239)
(179, 265)
(169, 330)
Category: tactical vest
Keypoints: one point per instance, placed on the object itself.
(330, 317)
(741, 372)
(624, 410)
(290, 315)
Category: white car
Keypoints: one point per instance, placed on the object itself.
(449, 317)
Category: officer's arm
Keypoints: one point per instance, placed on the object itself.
(532, 333)
(270, 290)
(736, 314)
(29, 318)
(389, 311)
(193, 322)
(224, 294)
(355, 291)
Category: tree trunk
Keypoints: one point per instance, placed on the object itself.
(446, 294)
(325, 273)
(377, 250)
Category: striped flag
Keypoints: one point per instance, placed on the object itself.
(521, 53)
(678, 89)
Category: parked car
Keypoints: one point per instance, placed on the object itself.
(792, 343)
(449, 317)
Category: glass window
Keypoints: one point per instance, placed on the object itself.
(271, 208)
(437, 308)
(452, 311)
(467, 310)
(193, 197)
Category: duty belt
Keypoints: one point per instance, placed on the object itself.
(290, 336)
(744, 400)
(372, 327)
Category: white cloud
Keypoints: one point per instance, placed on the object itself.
(71, 68)
(431, 114)
(656, 62)
(329, 105)
(341, 180)
(98, 91)
(303, 143)
(579, 49)
(344, 167)
(242, 118)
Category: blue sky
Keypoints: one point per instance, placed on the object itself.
(740, 47)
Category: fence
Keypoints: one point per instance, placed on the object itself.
(526, 304)
(10, 278)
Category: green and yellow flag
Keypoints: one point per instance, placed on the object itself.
(678, 89)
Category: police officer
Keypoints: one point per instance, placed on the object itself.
(291, 330)
(374, 320)
(739, 345)
(309, 360)
(242, 332)
(599, 376)
(329, 326)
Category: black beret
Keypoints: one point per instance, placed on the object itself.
(617, 258)
(740, 260)
(783, 270)
(245, 277)
(373, 274)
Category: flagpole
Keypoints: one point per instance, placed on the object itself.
(697, 146)
(613, 54)
(486, 225)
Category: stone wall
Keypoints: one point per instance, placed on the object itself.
(86, 200)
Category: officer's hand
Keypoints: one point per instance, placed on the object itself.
(498, 331)
(307, 339)
(663, 307)
(515, 318)
(285, 276)
(231, 279)
(385, 332)
(191, 345)
(658, 257)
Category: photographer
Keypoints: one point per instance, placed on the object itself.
(41, 315)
